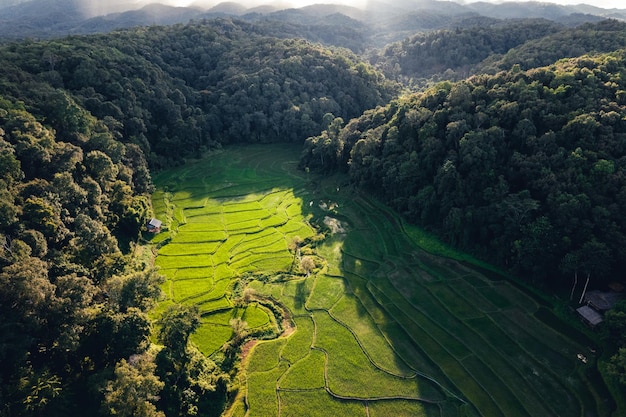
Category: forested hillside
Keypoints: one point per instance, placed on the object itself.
(81, 121)
(523, 168)
(178, 90)
(73, 303)
(605, 36)
(493, 45)
(456, 52)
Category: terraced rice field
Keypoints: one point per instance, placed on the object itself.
(382, 328)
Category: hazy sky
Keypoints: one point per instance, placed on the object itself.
(607, 4)
(98, 7)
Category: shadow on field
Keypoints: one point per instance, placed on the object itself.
(486, 341)
(477, 345)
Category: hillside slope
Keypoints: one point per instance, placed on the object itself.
(523, 168)
(179, 90)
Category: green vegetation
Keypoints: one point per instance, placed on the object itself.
(431, 335)
(453, 54)
(74, 289)
(83, 120)
(232, 86)
(353, 310)
(514, 168)
(251, 242)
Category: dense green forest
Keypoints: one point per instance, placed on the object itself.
(523, 168)
(492, 46)
(83, 121)
(177, 90)
(457, 51)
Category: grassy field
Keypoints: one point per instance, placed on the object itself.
(387, 322)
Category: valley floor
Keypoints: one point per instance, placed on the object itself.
(382, 327)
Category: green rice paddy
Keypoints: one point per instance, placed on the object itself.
(381, 327)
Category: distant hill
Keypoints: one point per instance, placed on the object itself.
(489, 45)
(149, 15)
(378, 23)
(511, 10)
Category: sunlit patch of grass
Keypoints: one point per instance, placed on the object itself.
(261, 287)
(263, 262)
(183, 289)
(198, 248)
(223, 271)
(266, 241)
(274, 221)
(221, 317)
(206, 221)
(265, 356)
(326, 292)
(274, 198)
(204, 227)
(217, 290)
(210, 337)
(318, 403)
(244, 208)
(232, 219)
(299, 344)
(194, 273)
(209, 305)
(223, 253)
(306, 373)
(256, 316)
(295, 227)
(262, 395)
(244, 227)
(204, 211)
(184, 261)
(203, 236)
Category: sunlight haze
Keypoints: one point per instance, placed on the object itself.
(97, 7)
(605, 4)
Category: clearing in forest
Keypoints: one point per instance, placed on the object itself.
(382, 327)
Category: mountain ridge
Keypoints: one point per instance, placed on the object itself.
(387, 21)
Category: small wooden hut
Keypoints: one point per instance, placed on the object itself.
(154, 225)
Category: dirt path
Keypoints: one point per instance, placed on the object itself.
(288, 329)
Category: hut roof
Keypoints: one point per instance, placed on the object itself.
(590, 315)
(155, 223)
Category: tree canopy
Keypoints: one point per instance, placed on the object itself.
(83, 121)
(525, 168)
